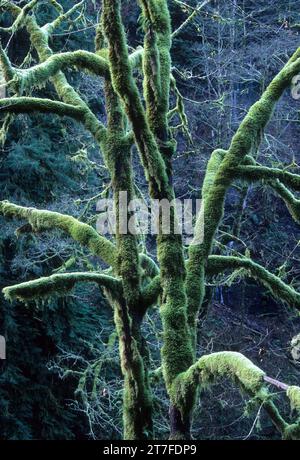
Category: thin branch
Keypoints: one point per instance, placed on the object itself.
(50, 27)
(190, 18)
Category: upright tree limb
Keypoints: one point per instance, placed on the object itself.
(245, 142)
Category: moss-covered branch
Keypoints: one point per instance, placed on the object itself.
(33, 104)
(64, 16)
(40, 41)
(6, 65)
(292, 203)
(177, 353)
(19, 13)
(255, 173)
(190, 18)
(250, 379)
(39, 74)
(244, 143)
(279, 289)
(278, 180)
(157, 64)
(59, 284)
(47, 220)
(125, 86)
(151, 292)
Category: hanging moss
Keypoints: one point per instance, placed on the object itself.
(58, 285)
(46, 220)
(38, 75)
(293, 393)
(244, 144)
(208, 369)
(280, 290)
(254, 173)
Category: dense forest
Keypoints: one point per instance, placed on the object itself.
(139, 334)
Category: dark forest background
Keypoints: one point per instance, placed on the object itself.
(61, 379)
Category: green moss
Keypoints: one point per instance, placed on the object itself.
(57, 285)
(280, 290)
(207, 370)
(41, 220)
(292, 432)
(38, 75)
(137, 401)
(293, 393)
(292, 203)
(221, 174)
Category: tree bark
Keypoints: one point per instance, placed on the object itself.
(180, 429)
